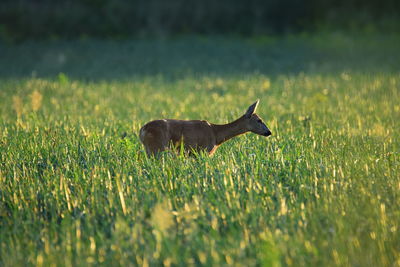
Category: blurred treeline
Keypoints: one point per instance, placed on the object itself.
(38, 19)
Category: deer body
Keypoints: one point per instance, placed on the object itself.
(158, 135)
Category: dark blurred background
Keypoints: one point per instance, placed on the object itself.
(71, 19)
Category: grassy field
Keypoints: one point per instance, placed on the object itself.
(324, 190)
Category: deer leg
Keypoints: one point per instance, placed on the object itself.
(153, 144)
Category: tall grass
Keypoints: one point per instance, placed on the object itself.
(322, 190)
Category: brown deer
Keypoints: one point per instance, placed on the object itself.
(158, 135)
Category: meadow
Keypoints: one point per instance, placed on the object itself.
(76, 188)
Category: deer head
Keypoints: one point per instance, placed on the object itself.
(254, 123)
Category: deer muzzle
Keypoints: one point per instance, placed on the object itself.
(267, 133)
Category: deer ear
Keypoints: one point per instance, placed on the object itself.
(251, 109)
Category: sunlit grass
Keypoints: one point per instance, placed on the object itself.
(322, 190)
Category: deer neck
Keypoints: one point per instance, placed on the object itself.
(224, 132)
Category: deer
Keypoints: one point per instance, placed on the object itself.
(197, 135)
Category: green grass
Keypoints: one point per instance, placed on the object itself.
(323, 190)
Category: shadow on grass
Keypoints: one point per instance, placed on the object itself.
(198, 56)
